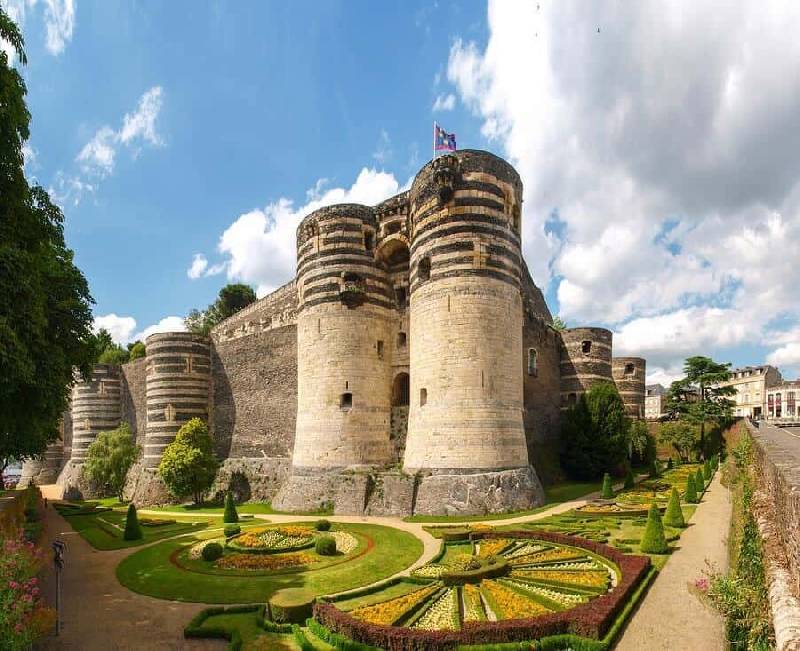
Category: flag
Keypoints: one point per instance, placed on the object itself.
(443, 141)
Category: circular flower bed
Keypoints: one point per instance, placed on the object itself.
(272, 540)
(547, 583)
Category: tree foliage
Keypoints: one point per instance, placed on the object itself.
(559, 323)
(188, 465)
(45, 304)
(136, 350)
(230, 300)
(681, 435)
(594, 433)
(110, 457)
(699, 397)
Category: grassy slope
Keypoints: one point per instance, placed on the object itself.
(150, 571)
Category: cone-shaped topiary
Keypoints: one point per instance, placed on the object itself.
(691, 490)
(673, 516)
(669, 464)
(607, 492)
(654, 472)
(699, 481)
(653, 540)
(707, 472)
(629, 480)
(230, 510)
(132, 529)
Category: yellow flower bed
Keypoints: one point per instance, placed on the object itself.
(512, 605)
(473, 607)
(560, 554)
(387, 612)
(264, 562)
(492, 546)
(590, 578)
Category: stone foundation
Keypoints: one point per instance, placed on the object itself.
(74, 484)
(250, 479)
(399, 494)
(145, 488)
(479, 493)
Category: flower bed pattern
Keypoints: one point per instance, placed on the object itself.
(576, 586)
(264, 561)
(272, 540)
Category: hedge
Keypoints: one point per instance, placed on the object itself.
(589, 620)
(195, 629)
(291, 605)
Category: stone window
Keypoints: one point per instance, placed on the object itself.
(400, 390)
(424, 269)
(402, 340)
(586, 347)
(369, 240)
(393, 227)
(346, 401)
(380, 349)
(533, 362)
(423, 397)
(572, 398)
(401, 298)
(629, 369)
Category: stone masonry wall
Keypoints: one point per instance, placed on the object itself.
(133, 398)
(254, 394)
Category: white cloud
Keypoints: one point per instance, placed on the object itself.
(675, 184)
(97, 156)
(444, 102)
(198, 266)
(119, 327)
(141, 124)
(59, 17)
(788, 355)
(260, 245)
(167, 324)
(67, 189)
(383, 150)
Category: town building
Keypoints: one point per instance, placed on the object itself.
(751, 384)
(654, 399)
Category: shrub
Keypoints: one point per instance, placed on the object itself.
(673, 516)
(292, 605)
(188, 465)
(232, 530)
(699, 481)
(629, 480)
(653, 540)
(230, 510)
(691, 490)
(132, 529)
(707, 472)
(669, 463)
(322, 525)
(654, 471)
(607, 492)
(325, 546)
(212, 551)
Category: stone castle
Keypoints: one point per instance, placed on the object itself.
(410, 367)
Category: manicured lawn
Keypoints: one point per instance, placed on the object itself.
(150, 571)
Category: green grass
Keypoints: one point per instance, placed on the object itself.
(149, 571)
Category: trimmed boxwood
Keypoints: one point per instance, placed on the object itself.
(653, 540)
(230, 516)
(673, 516)
(607, 492)
(212, 551)
(132, 529)
(487, 570)
(325, 546)
(322, 525)
(691, 490)
(232, 530)
(292, 605)
(195, 628)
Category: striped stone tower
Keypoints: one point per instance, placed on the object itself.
(466, 400)
(629, 375)
(344, 325)
(95, 408)
(585, 360)
(178, 379)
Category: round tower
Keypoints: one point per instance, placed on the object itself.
(466, 400)
(344, 325)
(629, 376)
(96, 408)
(585, 360)
(177, 387)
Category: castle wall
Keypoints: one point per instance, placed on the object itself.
(466, 317)
(133, 400)
(629, 376)
(254, 394)
(585, 360)
(275, 310)
(95, 408)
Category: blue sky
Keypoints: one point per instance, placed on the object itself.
(185, 139)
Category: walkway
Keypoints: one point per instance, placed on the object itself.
(671, 616)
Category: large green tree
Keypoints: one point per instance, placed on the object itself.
(110, 457)
(188, 465)
(594, 433)
(45, 305)
(700, 396)
(230, 300)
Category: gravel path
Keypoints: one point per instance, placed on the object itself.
(671, 617)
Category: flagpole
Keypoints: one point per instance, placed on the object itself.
(434, 139)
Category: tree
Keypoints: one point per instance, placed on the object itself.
(136, 350)
(188, 465)
(594, 433)
(113, 355)
(230, 514)
(230, 300)
(642, 444)
(559, 324)
(45, 304)
(110, 457)
(133, 531)
(653, 540)
(630, 482)
(699, 481)
(681, 435)
(673, 516)
(700, 396)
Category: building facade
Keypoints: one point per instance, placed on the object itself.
(411, 366)
(782, 401)
(655, 397)
(751, 384)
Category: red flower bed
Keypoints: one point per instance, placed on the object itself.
(591, 619)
